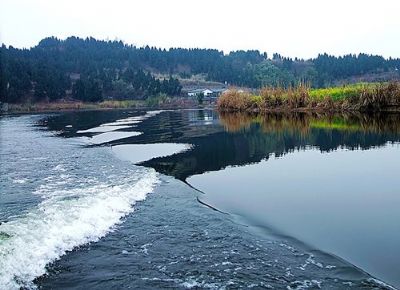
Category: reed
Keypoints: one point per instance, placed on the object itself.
(358, 97)
(234, 100)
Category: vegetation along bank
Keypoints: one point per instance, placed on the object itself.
(357, 97)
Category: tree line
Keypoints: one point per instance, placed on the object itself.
(90, 69)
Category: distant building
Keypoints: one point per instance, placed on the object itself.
(197, 92)
(206, 92)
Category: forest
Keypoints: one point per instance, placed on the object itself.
(92, 70)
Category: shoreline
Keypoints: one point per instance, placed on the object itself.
(358, 98)
(59, 107)
(307, 110)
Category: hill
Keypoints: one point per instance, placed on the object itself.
(91, 70)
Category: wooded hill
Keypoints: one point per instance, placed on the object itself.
(90, 70)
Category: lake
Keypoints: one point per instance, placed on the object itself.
(197, 199)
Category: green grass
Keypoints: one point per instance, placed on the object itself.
(341, 93)
(257, 99)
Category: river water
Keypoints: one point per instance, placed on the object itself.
(191, 199)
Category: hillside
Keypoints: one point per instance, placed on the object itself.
(92, 70)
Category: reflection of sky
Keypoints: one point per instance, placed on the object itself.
(136, 153)
(111, 136)
(344, 202)
(202, 117)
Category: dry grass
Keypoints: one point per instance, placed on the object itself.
(234, 100)
(70, 106)
(376, 97)
(291, 98)
(382, 97)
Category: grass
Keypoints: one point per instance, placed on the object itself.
(161, 101)
(343, 92)
(356, 97)
(72, 105)
(120, 104)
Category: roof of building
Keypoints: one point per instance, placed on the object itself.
(202, 90)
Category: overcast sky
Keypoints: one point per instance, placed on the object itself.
(290, 27)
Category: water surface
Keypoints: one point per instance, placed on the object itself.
(328, 181)
(82, 211)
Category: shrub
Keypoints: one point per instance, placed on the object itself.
(234, 100)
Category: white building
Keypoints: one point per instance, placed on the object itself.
(205, 92)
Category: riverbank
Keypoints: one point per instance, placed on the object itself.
(69, 105)
(60, 106)
(365, 97)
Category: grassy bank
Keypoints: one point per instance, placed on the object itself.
(152, 102)
(357, 97)
(71, 105)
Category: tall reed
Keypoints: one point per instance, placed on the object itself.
(376, 97)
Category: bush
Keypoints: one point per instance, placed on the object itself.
(234, 100)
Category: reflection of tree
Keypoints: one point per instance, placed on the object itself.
(251, 138)
(242, 139)
(303, 122)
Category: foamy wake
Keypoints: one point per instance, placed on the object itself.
(65, 219)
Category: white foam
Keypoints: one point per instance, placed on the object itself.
(305, 284)
(380, 283)
(20, 181)
(65, 219)
(59, 167)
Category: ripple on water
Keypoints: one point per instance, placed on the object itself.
(71, 203)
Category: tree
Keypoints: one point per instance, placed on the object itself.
(200, 98)
(93, 91)
(47, 70)
(78, 90)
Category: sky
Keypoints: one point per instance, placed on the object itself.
(289, 27)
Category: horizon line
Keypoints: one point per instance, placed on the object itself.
(125, 43)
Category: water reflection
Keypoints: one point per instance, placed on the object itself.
(303, 122)
(345, 202)
(244, 139)
(221, 140)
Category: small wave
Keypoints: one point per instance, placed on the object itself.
(59, 167)
(306, 284)
(64, 220)
(378, 283)
(20, 181)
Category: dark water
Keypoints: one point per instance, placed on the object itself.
(305, 201)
